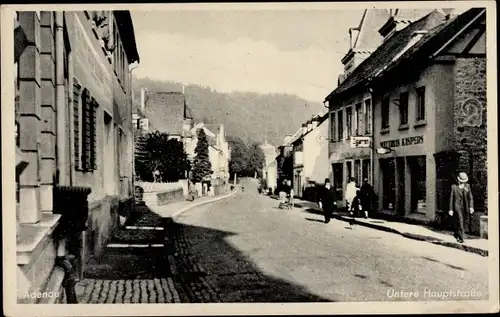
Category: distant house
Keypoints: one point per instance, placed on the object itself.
(218, 151)
(269, 170)
(310, 153)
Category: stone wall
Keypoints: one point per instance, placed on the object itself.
(168, 197)
(102, 222)
(470, 125)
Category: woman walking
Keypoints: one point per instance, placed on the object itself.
(461, 203)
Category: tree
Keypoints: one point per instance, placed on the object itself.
(201, 164)
(256, 160)
(158, 152)
(239, 156)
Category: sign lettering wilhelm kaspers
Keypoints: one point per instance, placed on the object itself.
(403, 142)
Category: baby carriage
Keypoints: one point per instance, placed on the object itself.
(286, 200)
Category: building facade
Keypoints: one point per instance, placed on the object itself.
(433, 121)
(218, 149)
(426, 87)
(269, 171)
(74, 119)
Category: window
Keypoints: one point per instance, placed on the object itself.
(358, 119)
(420, 104)
(84, 128)
(357, 171)
(366, 172)
(348, 118)
(385, 113)
(333, 126)
(403, 108)
(340, 125)
(368, 116)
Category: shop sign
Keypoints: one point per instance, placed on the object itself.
(360, 141)
(413, 140)
(91, 60)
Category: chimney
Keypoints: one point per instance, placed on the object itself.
(309, 125)
(287, 138)
(143, 101)
(314, 123)
(304, 128)
(353, 33)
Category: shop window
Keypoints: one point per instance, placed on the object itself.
(420, 107)
(340, 125)
(358, 119)
(348, 165)
(333, 126)
(403, 108)
(348, 118)
(385, 113)
(368, 116)
(365, 170)
(357, 172)
(418, 169)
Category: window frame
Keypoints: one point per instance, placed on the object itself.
(403, 108)
(348, 121)
(333, 126)
(340, 124)
(368, 115)
(385, 110)
(420, 104)
(358, 118)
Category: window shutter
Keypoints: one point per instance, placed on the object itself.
(87, 126)
(93, 134)
(76, 121)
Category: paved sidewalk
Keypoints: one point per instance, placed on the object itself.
(174, 209)
(416, 232)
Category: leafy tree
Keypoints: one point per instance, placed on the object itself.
(158, 152)
(201, 163)
(256, 160)
(239, 156)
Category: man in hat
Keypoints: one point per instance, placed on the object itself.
(326, 200)
(461, 203)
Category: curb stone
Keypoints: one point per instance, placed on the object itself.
(455, 245)
(189, 207)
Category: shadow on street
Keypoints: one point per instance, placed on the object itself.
(227, 270)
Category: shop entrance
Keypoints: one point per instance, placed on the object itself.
(389, 183)
(400, 170)
(338, 176)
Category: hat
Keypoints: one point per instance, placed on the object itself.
(462, 177)
(327, 180)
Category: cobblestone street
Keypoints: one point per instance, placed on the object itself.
(258, 253)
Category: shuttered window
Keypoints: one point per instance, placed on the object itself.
(89, 119)
(76, 121)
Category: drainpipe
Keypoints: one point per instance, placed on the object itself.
(63, 259)
(62, 155)
(132, 165)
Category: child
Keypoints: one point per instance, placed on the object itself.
(356, 207)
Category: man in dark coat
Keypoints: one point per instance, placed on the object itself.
(461, 203)
(367, 197)
(326, 200)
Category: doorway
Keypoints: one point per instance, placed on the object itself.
(389, 183)
(400, 170)
(338, 177)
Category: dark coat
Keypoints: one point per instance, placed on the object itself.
(457, 202)
(326, 197)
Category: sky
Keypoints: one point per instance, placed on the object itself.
(266, 51)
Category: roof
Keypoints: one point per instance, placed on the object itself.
(126, 28)
(165, 111)
(437, 37)
(385, 53)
